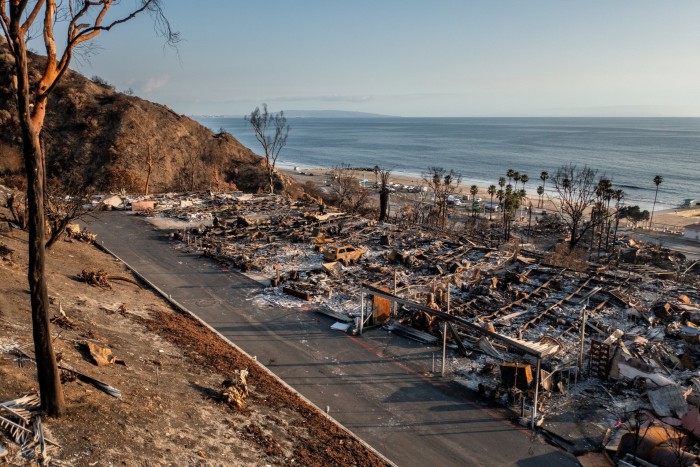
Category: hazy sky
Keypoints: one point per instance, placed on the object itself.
(415, 58)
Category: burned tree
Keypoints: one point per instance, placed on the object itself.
(85, 20)
(151, 160)
(271, 131)
(217, 161)
(384, 194)
(576, 189)
(63, 205)
(346, 189)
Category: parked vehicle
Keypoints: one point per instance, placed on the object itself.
(454, 201)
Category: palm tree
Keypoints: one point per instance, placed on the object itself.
(524, 179)
(657, 181)
(474, 190)
(507, 198)
(543, 176)
(619, 196)
(516, 179)
(510, 174)
(540, 193)
(491, 191)
(376, 171)
(500, 196)
(501, 182)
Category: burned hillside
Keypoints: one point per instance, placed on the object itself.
(98, 136)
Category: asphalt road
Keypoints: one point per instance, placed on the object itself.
(374, 384)
(690, 248)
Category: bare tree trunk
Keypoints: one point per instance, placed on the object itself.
(270, 171)
(573, 240)
(149, 165)
(57, 232)
(383, 205)
(32, 101)
(52, 400)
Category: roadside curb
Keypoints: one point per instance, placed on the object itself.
(183, 309)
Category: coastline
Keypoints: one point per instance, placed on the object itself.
(483, 148)
(671, 217)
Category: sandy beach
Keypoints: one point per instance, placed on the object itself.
(395, 178)
(679, 217)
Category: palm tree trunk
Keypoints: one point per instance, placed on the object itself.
(544, 182)
(653, 206)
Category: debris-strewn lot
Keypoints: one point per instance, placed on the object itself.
(637, 311)
(116, 338)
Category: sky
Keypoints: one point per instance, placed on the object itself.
(436, 58)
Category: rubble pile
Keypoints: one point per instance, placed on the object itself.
(630, 323)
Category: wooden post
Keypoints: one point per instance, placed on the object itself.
(444, 346)
(448, 296)
(537, 392)
(393, 304)
(362, 309)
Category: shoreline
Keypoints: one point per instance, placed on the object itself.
(414, 178)
(663, 215)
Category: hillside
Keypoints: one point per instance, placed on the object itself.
(172, 410)
(96, 135)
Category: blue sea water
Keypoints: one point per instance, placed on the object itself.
(630, 151)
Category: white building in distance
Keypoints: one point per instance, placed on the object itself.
(692, 232)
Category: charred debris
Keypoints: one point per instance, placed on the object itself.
(620, 337)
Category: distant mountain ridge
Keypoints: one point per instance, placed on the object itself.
(313, 114)
(332, 114)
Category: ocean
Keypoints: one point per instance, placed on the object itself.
(629, 151)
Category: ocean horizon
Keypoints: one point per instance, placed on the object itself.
(629, 151)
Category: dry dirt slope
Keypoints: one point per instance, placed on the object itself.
(170, 413)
